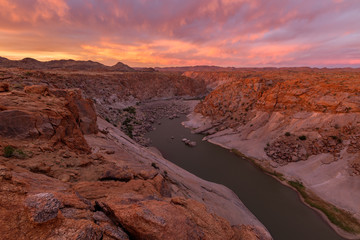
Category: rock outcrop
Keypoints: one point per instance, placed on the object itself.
(38, 114)
(302, 123)
(65, 174)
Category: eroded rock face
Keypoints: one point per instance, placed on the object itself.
(158, 219)
(302, 124)
(39, 114)
(119, 191)
(289, 98)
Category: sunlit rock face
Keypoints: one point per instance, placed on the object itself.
(67, 174)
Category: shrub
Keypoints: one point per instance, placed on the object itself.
(338, 140)
(302, 138)
(128, 127)
(130, 110)
(8, 151)
(287, 134)
(154, 165)
(18, 153)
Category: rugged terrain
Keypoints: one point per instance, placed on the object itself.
(113, 92)
(67, 174)
(302, 125)
(69, 65)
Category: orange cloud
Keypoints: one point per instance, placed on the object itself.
(183, 32)
(37, 10)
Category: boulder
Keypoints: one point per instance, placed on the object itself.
(37, 89)
(43, 207)
(4, 87)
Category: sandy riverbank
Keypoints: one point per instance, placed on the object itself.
(321, 174)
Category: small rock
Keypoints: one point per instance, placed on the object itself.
(43, 207)
(4, 87)
(114, 232)
(5, 173)
(117, 174)
(66, 154)
(192, 144)
(110, 152)
(37, 89)
(100, 217)
(96, 156)
(64, 178)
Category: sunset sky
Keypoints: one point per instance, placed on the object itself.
(240, 33)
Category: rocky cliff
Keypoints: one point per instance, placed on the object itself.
(114, 92)
(300, 124)
(66, 174)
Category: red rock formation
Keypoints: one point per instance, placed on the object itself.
(60, 192)
(40, 115)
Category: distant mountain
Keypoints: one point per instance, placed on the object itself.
(31, 64)
(122, 67)
(195, 68)
(139, 69)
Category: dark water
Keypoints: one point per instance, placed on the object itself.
(276, 206)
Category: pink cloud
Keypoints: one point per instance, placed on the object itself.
(184, 32)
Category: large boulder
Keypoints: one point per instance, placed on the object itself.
(43, 207)
(62, 117)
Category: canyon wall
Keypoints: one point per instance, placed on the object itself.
(67, 174)
(301, 124)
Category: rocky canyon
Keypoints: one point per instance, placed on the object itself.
(70, 166)
(75, 163)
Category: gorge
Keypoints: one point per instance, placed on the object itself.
(84, 168)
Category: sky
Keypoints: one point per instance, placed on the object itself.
(148, 33)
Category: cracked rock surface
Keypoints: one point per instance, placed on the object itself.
(65, 174)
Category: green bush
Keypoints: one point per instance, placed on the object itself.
(154, 165)
(128, 127)
(131, 110)
(302, 138)
(9, 151)
(18, 153)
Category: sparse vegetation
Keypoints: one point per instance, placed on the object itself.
(339, 217)
(338, 140)
(302, 137)
(131, 110)
(128, 127)
(276, 174)
(154, 165)
(18, 153)
(28, 74)
(8, 151)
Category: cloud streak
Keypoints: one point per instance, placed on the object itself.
(183, 32)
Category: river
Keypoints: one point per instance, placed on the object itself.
(275, 205)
